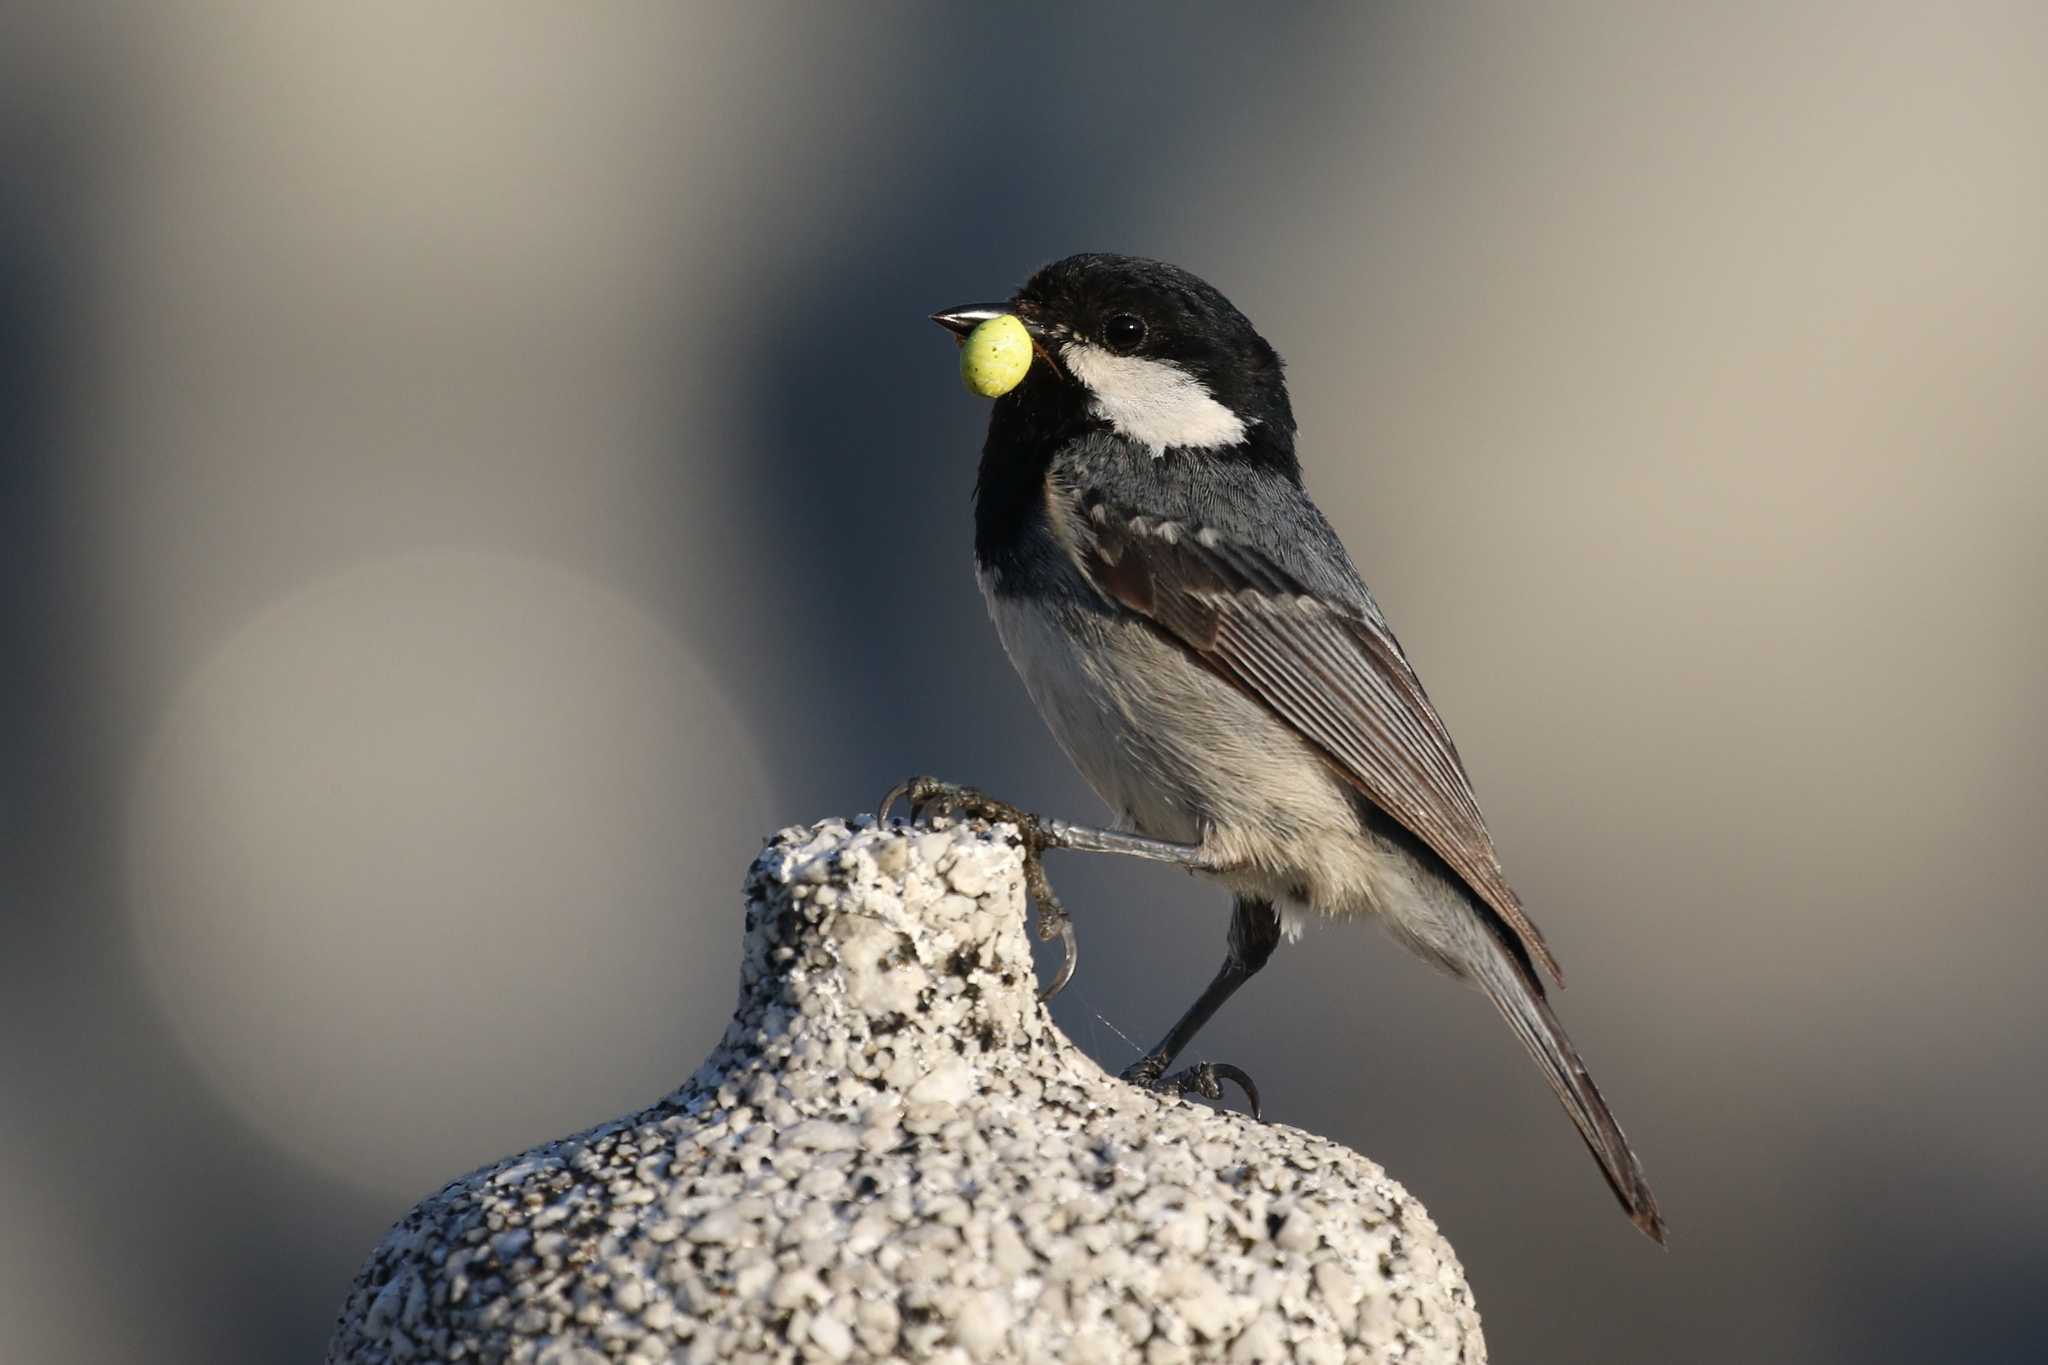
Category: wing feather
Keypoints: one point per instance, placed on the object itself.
(1331, 670)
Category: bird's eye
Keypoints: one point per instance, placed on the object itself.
(1123, 332)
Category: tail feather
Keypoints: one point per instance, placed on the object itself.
(1519, 997)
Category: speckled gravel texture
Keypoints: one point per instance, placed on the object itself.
(894, 1155)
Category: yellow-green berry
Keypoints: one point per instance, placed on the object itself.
(996, 356)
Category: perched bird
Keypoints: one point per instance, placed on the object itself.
(1196, 637)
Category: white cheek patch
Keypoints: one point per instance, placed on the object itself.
(1154, 402)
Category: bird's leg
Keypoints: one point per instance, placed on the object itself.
(929, 796)
(1254, 933)
(1254, 927)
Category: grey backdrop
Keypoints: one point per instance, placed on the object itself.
(470, 472)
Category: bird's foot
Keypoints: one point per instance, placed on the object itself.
(1204, 1079)
(928, 796)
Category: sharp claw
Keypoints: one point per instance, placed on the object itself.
(890, 798)
(927, 796)
(1204, 1080)
(1053, 920)
(1225, 1071)
(1068, 962)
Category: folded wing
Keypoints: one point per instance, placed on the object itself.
(1331, 670)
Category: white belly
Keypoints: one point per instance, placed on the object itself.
(1179, 754)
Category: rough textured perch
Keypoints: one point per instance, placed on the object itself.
(893, 1154)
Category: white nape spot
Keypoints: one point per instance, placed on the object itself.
(1153, 402)
(1207, 535)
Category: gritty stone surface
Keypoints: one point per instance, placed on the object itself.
(894, 1155)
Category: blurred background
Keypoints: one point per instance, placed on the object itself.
(472, 471)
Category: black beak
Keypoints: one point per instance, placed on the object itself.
(964, 319)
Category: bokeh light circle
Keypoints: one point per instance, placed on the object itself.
(440, 857)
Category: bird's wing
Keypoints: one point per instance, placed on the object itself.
(1331, 670)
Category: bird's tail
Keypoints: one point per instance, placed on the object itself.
(1514, 990)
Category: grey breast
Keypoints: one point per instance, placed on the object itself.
(1171, 748)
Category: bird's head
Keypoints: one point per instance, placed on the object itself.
(1146, 350)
